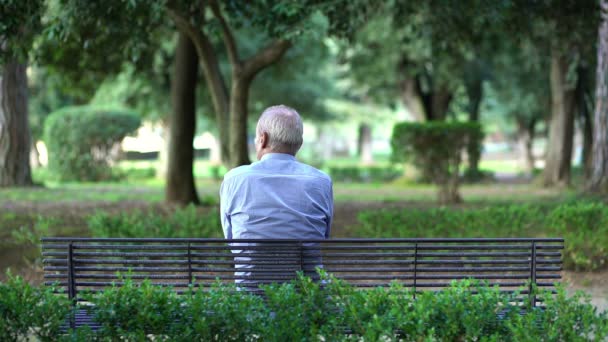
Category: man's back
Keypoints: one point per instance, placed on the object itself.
(276, 198)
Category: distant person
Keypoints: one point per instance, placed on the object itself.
(276, 197)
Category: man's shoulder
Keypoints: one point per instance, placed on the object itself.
(237, 171)
(313, 171)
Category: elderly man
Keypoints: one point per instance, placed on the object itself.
(276, 197)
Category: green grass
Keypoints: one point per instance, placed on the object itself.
(507, 166)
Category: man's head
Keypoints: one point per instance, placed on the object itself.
(279, 130)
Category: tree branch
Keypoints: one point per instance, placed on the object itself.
(265, 57)
(229, 42)
(208, 60)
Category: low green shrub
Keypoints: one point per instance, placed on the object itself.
(189, 221)
(132, 311)
(222, 314)
(493, 221)
(81, 139)
(27, 311)
(583, 225)
(365, 174)
(304, 310)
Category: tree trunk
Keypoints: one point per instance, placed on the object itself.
(213, 78)
(525, 139)
(475, 93)
(180, 187)
(559, 152)
(440, 103)
(364, 143)
(587, 127)
(412, 100)
(429, 105)
(598, 183)
(162, 165)
(584, 108)
(15, 138)
(239, 147)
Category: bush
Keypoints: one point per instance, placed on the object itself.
(435, 148)
(365, 174)
(304, 310)
(133, 311)
(183, 222)
(584, 226)
(493, 221)
(27, 311)
(80, 141)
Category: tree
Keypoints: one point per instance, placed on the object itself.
(180, 189)
(556, 27)
(20, 22)
(518, 89)
(598, 182)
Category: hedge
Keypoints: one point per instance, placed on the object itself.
(80, 140)
(303, 310)
(583, 225)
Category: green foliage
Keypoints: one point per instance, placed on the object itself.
(582, 225)
(435, 148)
(222, 314)
(365, 174)
(304, 310)
(565, 317)
(20, 23)
(586, 226)
(183, 222)
(133, 311)
(80, 141)
(27, 311)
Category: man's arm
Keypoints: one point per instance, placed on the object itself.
(330, 214)
(224, 210)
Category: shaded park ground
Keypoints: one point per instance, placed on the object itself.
(63, 210)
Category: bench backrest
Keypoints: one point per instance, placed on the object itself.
(91, 264)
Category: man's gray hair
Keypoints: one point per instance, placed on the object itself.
(284, 128)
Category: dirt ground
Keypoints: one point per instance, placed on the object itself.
(345, 218)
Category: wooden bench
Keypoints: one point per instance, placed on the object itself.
(92, 264)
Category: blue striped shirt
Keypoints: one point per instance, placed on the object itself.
(276, 198)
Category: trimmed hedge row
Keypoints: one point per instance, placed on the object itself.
(366, 174)
(183, 222)
(302, 311)
(583, 225)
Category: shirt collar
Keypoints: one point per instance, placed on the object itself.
(278, 156)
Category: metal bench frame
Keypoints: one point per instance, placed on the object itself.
(77, 264)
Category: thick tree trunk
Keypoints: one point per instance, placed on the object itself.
(15, 138)
(475, 93)
(364, 143)
(213, 78)
(412, 100)
(429, 105)
(239, 147)
(559, 152)
(180, 187)
(598, 182)
(440, 103)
